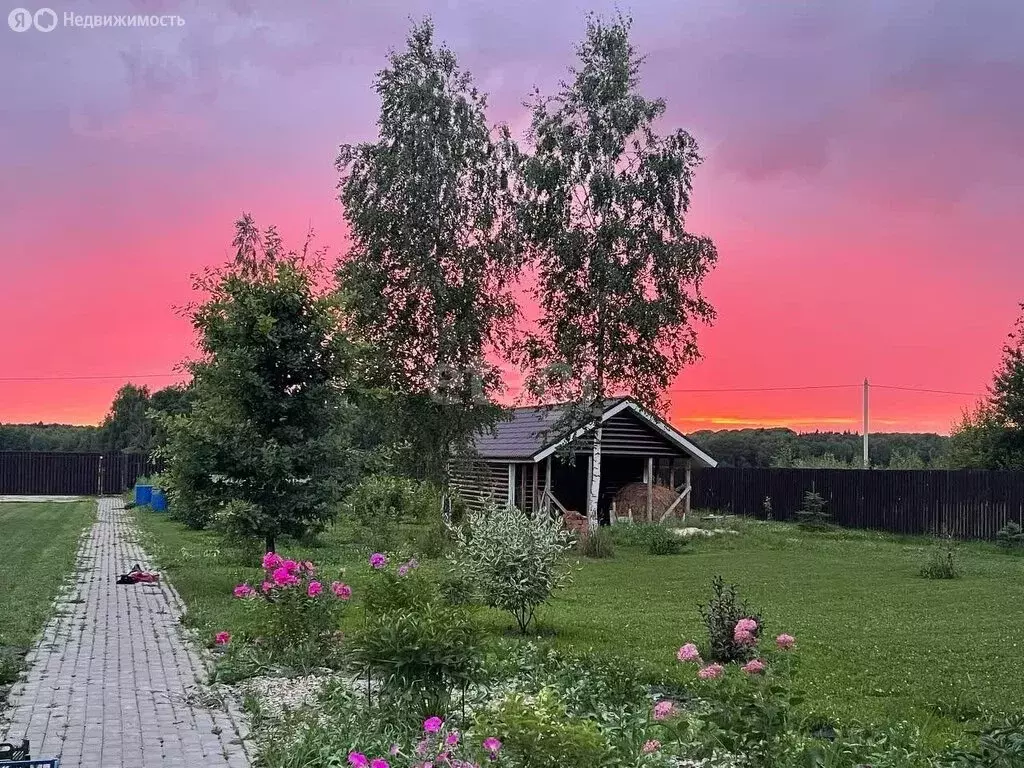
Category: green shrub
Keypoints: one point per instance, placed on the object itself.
(812, 515)
(597, 544)
(398, 587)
(1000, 745)
(943, 561)
(720, 615)
(1011, 536)
(512, 561)
(432, 542)
(378, 504)
(538, 732)
(662, 541)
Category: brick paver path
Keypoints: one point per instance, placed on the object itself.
(113, 683)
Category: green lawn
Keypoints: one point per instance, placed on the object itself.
(39, 540)
(877, 642)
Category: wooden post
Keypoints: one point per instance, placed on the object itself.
(672, 474)
(650, 489)
(590, 480)
(534, 501)
(511, 484)
(547, 482)
(689, 492)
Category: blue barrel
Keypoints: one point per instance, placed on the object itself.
(159, 501)
(143, 495)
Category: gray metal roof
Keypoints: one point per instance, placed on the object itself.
(529, 432)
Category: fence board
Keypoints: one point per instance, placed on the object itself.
(969, 504)
(70, 474)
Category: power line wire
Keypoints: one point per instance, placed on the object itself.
(933, 391)
(86, 378)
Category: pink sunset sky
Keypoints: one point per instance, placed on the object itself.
(864, 182)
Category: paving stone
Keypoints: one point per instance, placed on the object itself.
(113, 682)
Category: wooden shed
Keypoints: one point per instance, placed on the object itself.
(525, 463)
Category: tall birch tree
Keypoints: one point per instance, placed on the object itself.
(601, 216)
(425, 282)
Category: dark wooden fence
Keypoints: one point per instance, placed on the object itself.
(70, 474)
(969, 504)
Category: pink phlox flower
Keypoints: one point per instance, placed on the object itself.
(753, 667)
(243, 591)
(378, 560)
(432, 724)
(743, 637)
(711, 672)
(785, 642)
(343, 591)
(651, 745)
(314, 588)
(746, 625)
(284, 578)
(492, 745)
(663, 709)
(358, 760)
(291, 566)
(688, 652)
(452, 739)
(222, 638)
(379, 762)
(271, 560)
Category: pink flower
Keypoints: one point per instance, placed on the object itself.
(492, 745)
(785, 642)
(744, 637)
(222, 638)
(421, 748)
(358, 760)
(652, 745)
(314, 588)
(403, 569)
(663, 710)
(688, 652)
(753, 667)
(284, 578)
(395, 749)
(378, 560)
(432, 724)
(452, 739)
(271, 560)
(243, 591)
(291, 566)
(266, 587)
(379, 762)
(711, 672)
(746, 625)
(343, 591)
(308, 566)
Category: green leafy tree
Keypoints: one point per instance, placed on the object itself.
(127, 427)
(602, 209)
(169, 401)
(261, 445)
(992, 435)
(425, 282)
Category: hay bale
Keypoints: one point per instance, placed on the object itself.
(634, 497)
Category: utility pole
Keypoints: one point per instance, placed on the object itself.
(867, 463)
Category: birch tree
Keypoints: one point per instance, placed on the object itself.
(601, 215)
(425, 282)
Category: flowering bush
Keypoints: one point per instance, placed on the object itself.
(728, 640)
(440, 746)
(513, 561)
(301, 610)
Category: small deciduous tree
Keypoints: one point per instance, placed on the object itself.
(601, 216)
(261, 445)
(127, 427)
(512, 561)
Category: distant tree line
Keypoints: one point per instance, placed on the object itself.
(785, 448)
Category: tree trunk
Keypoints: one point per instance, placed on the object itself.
(269, 541)
(595, 479)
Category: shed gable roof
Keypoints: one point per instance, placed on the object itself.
(529, 435)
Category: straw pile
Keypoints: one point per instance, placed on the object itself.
(634, 496)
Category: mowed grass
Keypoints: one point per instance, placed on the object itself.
(40, 540)
(877, 643)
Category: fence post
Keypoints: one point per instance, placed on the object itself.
(99, 477)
